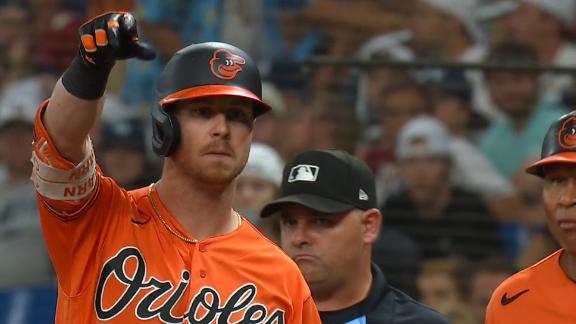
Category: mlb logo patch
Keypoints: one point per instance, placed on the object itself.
(362, 195)
(303, 172)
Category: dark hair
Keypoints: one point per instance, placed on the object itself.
(512, 53)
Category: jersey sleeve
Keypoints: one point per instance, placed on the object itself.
(76, 204)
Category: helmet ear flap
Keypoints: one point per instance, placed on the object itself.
(165, 131)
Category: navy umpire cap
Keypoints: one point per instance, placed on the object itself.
(329, 181)
(197, 71)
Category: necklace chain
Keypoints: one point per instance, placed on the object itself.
(169, 227)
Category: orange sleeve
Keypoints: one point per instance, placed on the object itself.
(74, 229)
(45, 153)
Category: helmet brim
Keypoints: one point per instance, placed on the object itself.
(564, 157)
(216, 90)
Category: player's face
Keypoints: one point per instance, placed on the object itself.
(559, 195)
(14, 147)
(326, 247)
(215, 137)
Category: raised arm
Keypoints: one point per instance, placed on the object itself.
(77, 98)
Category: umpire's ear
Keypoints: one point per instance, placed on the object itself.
(371, 222)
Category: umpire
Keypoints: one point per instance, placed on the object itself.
(328, 221)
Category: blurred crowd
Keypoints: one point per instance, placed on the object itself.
(448, 145)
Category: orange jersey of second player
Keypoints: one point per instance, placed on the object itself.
(541, 293)
(118, 261)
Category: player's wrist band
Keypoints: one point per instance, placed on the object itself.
(86, 82)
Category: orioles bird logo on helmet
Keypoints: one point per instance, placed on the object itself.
(225, 65)
(567, 134)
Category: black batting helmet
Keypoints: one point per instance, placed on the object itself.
(202, 70)
(559, 145)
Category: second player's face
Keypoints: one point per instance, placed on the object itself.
(215, 137)
(326, 247)
(559, 195)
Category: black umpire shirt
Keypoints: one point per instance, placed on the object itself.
(384, 305)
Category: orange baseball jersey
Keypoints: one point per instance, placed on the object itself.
(121, 257)
(541, 293)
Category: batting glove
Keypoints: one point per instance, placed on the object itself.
(110, 37)
(103, 40)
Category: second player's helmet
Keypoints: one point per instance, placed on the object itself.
(202, 70)
(559, 145)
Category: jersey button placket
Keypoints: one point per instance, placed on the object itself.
(202, 249)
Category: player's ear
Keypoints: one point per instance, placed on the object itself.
(371, 222)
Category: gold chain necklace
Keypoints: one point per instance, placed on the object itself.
(169, 227)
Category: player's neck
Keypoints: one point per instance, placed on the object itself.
(203, 213)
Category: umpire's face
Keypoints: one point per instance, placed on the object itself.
(215, 138)
(559, 195)
(330, 249)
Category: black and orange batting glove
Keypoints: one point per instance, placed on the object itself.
(103, 40)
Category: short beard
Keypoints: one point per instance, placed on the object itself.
(215, 176)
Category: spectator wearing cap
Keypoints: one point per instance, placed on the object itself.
(546, 25)
(396, 105)
(123, 153)
(329, 221)
(257, 185)
(16, 127)
(442, 218)
(24, 257)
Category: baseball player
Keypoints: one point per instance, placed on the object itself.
(544, 292)
(329, 221)
(176, 251)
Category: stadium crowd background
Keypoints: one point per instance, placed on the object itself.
(448, 146)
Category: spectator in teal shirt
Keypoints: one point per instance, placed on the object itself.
(511, 143)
